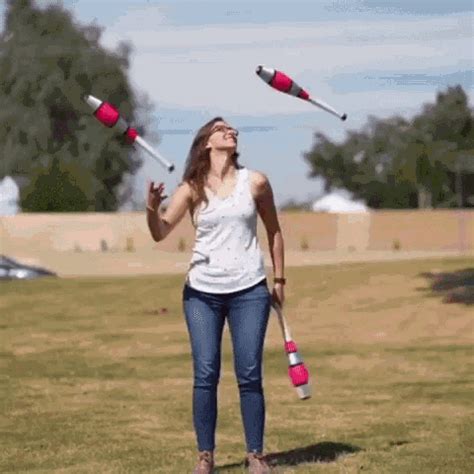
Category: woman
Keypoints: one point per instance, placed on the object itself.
(226, 279)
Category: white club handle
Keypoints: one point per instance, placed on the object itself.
(169, 166)
(281, 319)
(319, 103)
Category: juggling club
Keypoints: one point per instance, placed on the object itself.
(281, 82)
(297, 370)
(109, 116)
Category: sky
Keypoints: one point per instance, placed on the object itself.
(196, 60)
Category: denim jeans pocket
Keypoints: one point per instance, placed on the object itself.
(258, 291)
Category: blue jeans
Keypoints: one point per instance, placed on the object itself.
(247, 313)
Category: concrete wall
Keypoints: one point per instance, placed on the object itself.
(422, 230)
(379, 230)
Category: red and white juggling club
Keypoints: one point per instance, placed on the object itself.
(109, 116)
(297, 370)
(281, 82)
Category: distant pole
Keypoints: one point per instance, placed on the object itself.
(459, 201)
(458, 184)
(462, 231)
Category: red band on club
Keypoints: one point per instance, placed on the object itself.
(130, 135)
(107, 114)
(281, 82)
(290, 346)
(303, 95)
(298, 374)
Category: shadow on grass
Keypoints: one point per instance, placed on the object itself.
(321, 452)
(455, 287)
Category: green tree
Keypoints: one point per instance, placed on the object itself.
(396, 163)
(363, 164)
(291, 205)
(54, 188)
(48, 62)
(437, 151)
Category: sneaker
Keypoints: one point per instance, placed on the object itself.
(205, 463)
(257, 464)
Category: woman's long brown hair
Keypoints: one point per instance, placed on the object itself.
(198, 162)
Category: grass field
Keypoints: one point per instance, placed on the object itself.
(96, 374)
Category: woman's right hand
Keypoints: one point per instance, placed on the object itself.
(155, 195)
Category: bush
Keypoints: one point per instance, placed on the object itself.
(304, 245)
(181, 245)
(129, 245)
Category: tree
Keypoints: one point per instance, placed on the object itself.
(448, 141)
(363, 164)
(55, 189)
(396, 163)
(48, 63)
(291, 205)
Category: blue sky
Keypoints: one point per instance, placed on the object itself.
(196, 60)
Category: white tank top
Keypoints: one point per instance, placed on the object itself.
(226, 254)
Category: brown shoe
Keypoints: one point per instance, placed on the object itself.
(257, 464)
(205, 463)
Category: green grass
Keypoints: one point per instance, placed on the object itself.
(96, 378)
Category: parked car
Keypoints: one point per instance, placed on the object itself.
(10, 269)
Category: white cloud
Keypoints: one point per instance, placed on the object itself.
(327, 32)
(139, 19)
(213, 66)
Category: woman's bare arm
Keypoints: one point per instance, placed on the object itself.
(267, 211)
(161, 224)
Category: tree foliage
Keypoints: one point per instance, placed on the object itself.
(48, 62)
(427, 161)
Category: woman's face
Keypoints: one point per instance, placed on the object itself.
(222, 137)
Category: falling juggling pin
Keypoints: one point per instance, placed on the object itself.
(109, 116)
(281, 82)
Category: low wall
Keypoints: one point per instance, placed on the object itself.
(436, 230)
(422, 230)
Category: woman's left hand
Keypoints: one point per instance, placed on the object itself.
(278, 295)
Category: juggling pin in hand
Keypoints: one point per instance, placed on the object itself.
(297, 370)
(109, 116)
(281, 82)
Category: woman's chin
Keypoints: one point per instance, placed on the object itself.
(229, 148)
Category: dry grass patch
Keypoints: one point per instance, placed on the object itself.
(96, 375)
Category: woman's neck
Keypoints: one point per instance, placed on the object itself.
(221, 165)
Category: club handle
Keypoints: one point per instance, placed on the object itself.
(169, 166)
(281, 319)
(319, 103)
